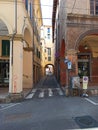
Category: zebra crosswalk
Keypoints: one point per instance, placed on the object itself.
(44, 93)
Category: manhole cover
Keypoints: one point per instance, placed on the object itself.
(86, 122)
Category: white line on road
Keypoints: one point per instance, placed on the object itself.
(34, 90)
(94, 103)
(30, 96)
(41, 95)
(9, 106)
(59, 91)
(50, 92)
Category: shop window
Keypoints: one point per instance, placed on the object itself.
(4, 71)
(84, 65)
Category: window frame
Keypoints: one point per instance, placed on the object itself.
(94, 7)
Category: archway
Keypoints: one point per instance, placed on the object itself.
(27, 61)
(49, 69)
(88, 56)
(4, 55)
(3, 28)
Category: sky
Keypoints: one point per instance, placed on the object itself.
(47, 6)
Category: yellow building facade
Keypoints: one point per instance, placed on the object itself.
(17, 42)
(48, 50)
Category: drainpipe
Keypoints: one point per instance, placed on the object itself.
(11, 47)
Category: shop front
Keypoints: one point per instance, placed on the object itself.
(4, 72)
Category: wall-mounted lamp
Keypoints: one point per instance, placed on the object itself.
(85, 47)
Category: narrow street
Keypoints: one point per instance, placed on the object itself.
(47, 87)
(49, 109)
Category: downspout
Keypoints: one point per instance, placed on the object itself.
(15, 26)
(11, 47)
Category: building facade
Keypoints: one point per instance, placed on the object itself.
(37, 23)
(48, 50)
(17, 41)
(75, 33)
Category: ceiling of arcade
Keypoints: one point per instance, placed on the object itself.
(3, 28)
(90, 44)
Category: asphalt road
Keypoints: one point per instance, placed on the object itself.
(51, 113)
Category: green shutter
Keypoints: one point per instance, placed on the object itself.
(5, 47)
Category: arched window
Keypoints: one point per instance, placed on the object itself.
(94, 7)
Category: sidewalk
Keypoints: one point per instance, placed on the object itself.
(4, 91)
(4, 94)
(92, 90)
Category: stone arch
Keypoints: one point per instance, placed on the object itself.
(91, 52)
(86, 33)
(27, 61)
(49, 69)
(27, 36)
(5, 27)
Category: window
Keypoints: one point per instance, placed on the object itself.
(48, 30)
(48, 36)
(37, 52)
(5, 47)
(30, 11)
(45, 50)
(94, 7)
(26, 4)
(49, 58)
(49, 51)
(48, 33)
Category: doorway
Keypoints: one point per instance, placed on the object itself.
(84, 65)
(4, 72)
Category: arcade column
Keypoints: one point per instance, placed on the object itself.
(16, 70)
(71, 55)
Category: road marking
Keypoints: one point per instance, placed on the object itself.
(59, 91)
(94, 103)
(30, 96)
(50, 92)
(9, 106)
(41, 95)
(34, 90)
(85, 129)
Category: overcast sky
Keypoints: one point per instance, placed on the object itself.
(47, 6)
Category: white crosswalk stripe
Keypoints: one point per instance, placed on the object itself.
(45, 92)
(41, 95)
(34, 90)
(60, 91)
(30, 96)
(50, 92)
